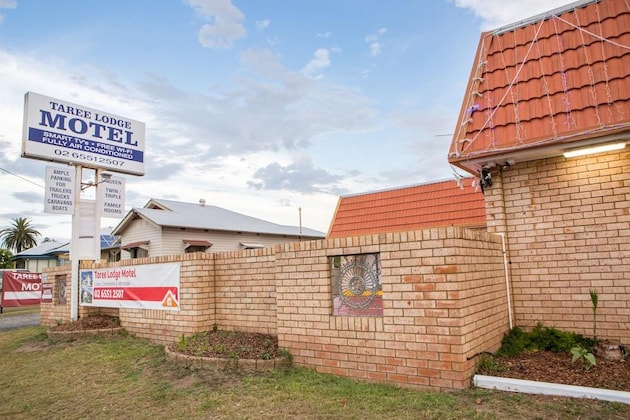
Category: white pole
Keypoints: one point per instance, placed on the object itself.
(98, 203)
(300, 214)
(74, 244)
(507, 278)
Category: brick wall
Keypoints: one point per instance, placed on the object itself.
(444, 303)
(567, 225)
(246, 290)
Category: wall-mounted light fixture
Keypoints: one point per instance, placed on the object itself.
(595, 149)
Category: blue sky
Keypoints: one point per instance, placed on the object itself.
(261, 107)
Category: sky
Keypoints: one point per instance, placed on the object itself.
(269, 108)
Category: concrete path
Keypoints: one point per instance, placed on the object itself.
(14, 321)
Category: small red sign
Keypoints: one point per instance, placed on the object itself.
(21, 288)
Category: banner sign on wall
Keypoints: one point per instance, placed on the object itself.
(151, 286)
(60, 131)
(21, 288)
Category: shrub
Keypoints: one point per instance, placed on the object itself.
(541, 338)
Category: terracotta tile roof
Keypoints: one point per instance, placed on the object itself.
(556, 79)
(409, 208)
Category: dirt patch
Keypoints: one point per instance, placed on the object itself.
(92, 322)
(547, 366)
(229, 345)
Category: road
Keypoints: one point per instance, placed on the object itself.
(14, 321)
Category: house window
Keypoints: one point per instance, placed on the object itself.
(113, 255)
(356, 285)
(193, 248)
(193, 245)
(138, 252)
(137, 249)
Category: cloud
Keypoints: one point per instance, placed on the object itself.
(324, 35)
(300, 176)
(261, 25)
(7, 4)
(268, 109)
(497, 13)
(373, 41)
(225, 25)
(29, 197)
(320, 60)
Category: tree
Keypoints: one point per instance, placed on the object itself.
(5, 258)
(20, 236)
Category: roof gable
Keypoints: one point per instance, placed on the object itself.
(422, 206)
(546, 83)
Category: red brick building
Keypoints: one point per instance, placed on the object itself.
(556, 83)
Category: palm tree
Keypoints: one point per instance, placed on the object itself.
(20, 236)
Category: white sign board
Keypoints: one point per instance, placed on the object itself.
(86, 243)
(59, 194)
(60, 131)
(112, 197)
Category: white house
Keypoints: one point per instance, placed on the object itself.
(166, 227)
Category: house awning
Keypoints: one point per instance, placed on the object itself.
(195, 242)
(251, 245)
(140, 244)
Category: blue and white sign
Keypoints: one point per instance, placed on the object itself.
(60, 131)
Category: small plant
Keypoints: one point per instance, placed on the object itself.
(594, 301)
(580, 352)
(286, 354)
(215, 327)
(183, 343)
(488, 365)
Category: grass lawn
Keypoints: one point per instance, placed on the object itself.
(125, 377)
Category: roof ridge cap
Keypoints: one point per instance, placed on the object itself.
(421, 184)
(542, 16)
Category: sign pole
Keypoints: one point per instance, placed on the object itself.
(98, 204)
(74, 245)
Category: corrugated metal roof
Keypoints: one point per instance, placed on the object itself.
(44, 249)
(546, 83)
(51, 248)
(201, 216)
(422, 206)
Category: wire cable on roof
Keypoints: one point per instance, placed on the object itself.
(509, 88)
(593, 35)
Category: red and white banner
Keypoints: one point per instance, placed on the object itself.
(21, 288)
(150, 286)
